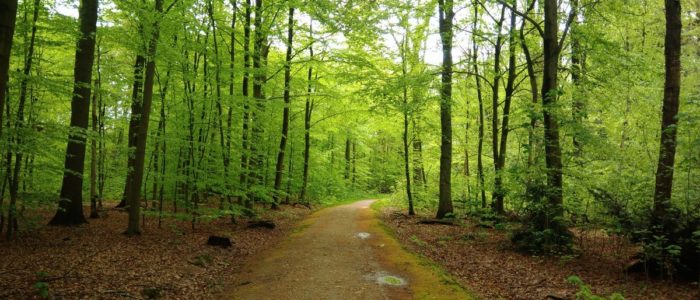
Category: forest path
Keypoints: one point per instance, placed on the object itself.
(341, 252)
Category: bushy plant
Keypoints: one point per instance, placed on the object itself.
(585, 293)
(544, 230)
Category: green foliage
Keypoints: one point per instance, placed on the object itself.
(544, 230)
(585, 292)
(41, 286)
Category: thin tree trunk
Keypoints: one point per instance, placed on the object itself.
(510, 89)
(577, 65)
(669, 119)
(14, 179)
(308, 109)
(245, 161)
(347, 158)
(93, 144)
(279, 170)
(534, 93)
(480, 147)
(446, 16)
(406, 158)
(134, 199)
(70, 206)
(497, 195)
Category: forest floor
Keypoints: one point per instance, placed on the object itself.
(96, 261)
(341, 253)
(480, 257)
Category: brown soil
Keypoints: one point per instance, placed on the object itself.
(482, 259)
(96, 261)
(326, 259)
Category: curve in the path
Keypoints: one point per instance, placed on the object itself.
(341, 252)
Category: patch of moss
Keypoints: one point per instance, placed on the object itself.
(427, 279)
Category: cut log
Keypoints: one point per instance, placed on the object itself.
(219, 241)
(449, 222)
(269, 224)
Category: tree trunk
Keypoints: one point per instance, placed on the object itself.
(136, 110)
(308, 109)
(549, 99)
(279, 170)
(256, 167)
(669, 118)
(8, 15)
(406, 158)
(70, 206)
(246, 110)
(347, 158)
(446, 16)
(134, 199)
(93, 144)
(14, 179)
(497, 196)
(577, 65)
(510, 89)
(480, 147)
(534, 93)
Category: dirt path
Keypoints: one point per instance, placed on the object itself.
(341, 253)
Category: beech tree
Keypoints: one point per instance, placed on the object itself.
(446, 16)
(70, 205)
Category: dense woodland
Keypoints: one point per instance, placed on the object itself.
(556, 114)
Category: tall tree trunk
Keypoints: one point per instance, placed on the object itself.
(497, 196)
(136, 110)
(510, 90)
(533, 91)
(134, 199)
(93, 144)
(348, 144)
(446, 16)
(669, 120)
(229, 117)
(404, 109)
(577, 66)
(549, 99)
(256, 163)
(19, 124)
(279, 170)
(225, 151)
(245, 161)
(354, 164)
(70, 206)
(8, 15)
(308, 110)
(480, 147)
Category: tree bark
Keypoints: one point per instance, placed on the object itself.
(669, 117)
(279, 170)
(549, 99)
(308, 110)
(8, 15)
(136, 110)
(497, 196)
(134, 199)
(245, 161)
(347, 158)
(14, 179)
(93, 144)
(406, 158)
(480, 147)
(70, 206)
(446, 16)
